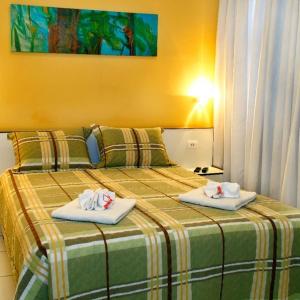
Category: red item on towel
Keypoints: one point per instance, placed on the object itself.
(108, 202)
(220, 191)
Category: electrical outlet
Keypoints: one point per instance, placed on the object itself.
(192, 144)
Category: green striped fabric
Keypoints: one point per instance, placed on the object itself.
(152, 151)
(163, 249)
(50, 150)
(131, 147)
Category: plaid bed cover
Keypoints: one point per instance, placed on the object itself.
(163, 249)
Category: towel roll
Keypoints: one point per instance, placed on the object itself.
(100, 199)
(218, 190)
(87, 200)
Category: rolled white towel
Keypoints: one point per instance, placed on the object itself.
(87, 200)
(231, 190)
(101, 199)
(105, 199)
(218, 190)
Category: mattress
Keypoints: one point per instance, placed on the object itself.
(164, 249)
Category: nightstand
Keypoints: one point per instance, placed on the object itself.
(213, 173)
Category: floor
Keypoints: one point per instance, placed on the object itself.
(7, 280)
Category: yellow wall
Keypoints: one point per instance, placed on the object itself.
(55, 90)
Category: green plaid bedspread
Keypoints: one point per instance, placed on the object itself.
(163, 249)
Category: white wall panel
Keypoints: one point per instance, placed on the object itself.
(177, 140)
(7, 159)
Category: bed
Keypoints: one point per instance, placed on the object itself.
(164, 249)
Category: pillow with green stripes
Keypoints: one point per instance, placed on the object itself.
(50, 150)
(131, 147)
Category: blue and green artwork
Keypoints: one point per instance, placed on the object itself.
(80, 31)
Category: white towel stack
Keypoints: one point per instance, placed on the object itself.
(224, 195)
(100, 206)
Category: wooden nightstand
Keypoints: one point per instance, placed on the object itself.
(213, 173)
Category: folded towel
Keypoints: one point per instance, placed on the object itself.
(73, 211)
(222, 190)
(96, 200)
(198, 196)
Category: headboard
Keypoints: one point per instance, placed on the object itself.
(177, 143)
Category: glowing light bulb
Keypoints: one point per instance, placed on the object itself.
(203, 90)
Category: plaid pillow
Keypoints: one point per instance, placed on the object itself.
(131, 147)
(152, 150)
(50, 150)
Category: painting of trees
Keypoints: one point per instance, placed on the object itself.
(64, 30)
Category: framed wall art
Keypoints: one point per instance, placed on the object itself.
(40, 29)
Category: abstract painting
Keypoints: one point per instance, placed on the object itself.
(80, 31)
